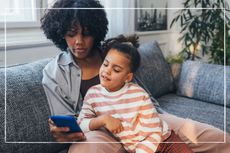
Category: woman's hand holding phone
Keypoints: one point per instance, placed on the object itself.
(61, 134)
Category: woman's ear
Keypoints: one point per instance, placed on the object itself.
(129, 77)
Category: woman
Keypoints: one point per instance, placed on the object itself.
(78, 33)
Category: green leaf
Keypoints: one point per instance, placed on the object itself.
(181, 21)
(186, 3)
(184, 28)
(190, 14)
(172, 23)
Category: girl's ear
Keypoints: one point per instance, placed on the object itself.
(129, 77)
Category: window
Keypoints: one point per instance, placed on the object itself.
(18, 11)
(22, 23)
(22, 13)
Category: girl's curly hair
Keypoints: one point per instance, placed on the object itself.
(108, 43)
(127, 45)
(57, 22)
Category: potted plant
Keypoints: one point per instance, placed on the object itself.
(202, 29)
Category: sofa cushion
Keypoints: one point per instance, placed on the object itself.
(204, 82)
(27, 110)
(154, 71)
(196, 110)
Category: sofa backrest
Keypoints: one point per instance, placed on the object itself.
(27, 110)
(154, 71)
(204, 82)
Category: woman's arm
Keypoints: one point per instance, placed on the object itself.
(55, 85)
(58, 103)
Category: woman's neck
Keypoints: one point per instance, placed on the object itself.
(90, 66)
(89, 61)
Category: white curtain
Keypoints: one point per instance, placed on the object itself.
(120, 16)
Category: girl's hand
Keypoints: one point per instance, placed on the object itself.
(60, 133)
(112, 124)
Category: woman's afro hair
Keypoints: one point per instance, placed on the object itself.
(64, 16)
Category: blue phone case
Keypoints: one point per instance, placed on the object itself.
(66, 121)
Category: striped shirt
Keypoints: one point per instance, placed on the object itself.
(143, 130)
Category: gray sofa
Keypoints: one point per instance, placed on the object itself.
(196, 91)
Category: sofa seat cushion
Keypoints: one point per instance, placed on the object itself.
(154, 71)
(194, 109)
(27, 110)
(204, 82)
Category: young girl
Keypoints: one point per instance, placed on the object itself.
(124, 108)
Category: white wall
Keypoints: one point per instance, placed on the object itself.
(167, 39)
(173, 45)
(162, 37)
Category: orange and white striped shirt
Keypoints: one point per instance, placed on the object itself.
(143, 130)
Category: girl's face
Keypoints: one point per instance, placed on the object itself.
(115, 70)
(80, 42)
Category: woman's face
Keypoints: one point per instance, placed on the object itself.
(80, 42)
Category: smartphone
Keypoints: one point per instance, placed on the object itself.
(66, 121)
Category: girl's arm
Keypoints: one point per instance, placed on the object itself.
(150, 123)
(88, 120)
